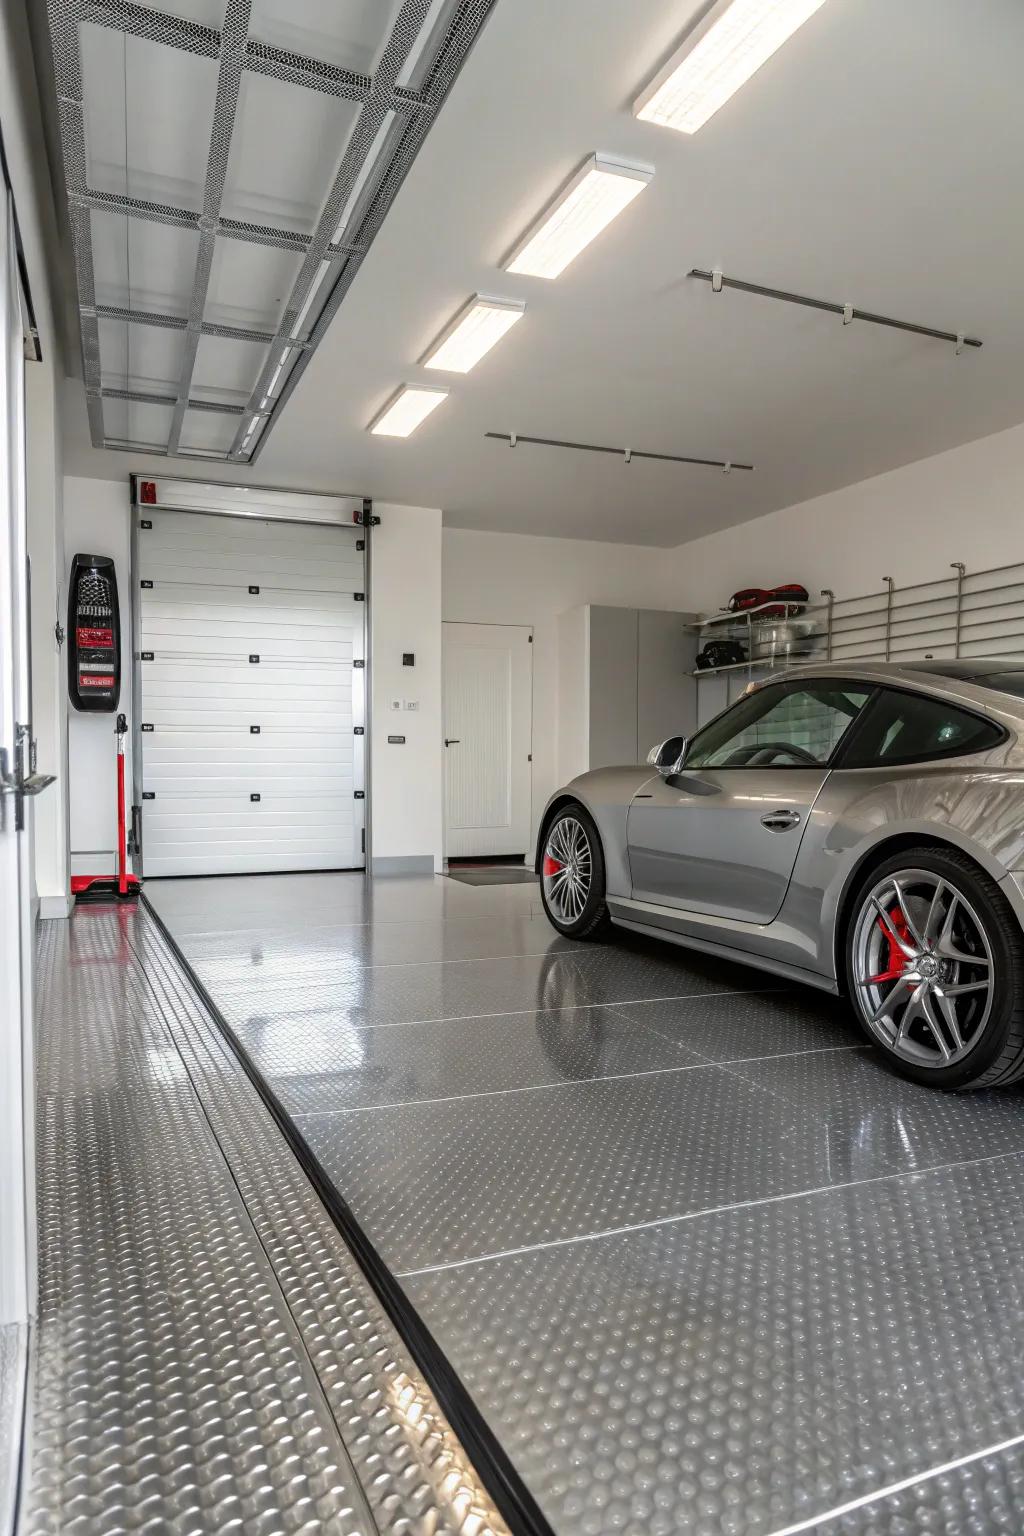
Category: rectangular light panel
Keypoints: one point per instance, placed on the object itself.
(598, 192)
(403, 414)
(730, 44)
(473, 335)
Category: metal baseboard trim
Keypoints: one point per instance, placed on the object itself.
(498, 1475)
(412, 864)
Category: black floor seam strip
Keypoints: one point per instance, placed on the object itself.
(503, 1482)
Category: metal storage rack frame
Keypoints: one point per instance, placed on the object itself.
(965, 614)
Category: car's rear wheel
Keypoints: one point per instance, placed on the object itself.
(935, 969)
(572, 879)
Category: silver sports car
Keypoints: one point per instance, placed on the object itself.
(860, 828)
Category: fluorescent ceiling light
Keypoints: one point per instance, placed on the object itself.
(365, 171)
(728, 46)
(403, 414)
(600, 189)
(314, 288)
(473, 333)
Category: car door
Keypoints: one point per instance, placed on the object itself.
(721, 836)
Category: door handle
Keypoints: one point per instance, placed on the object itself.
(17, 786)
(451, 741)
(780, 821)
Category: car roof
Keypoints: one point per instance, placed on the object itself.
(959, 670)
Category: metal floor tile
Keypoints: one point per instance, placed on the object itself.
(362, 997)
(297, 902)
(210, 1357)
(743, 1025)
(437, 1183)
(447, 1058)
(170, 1385)
(787, 1347)
(983, 1497)
(752, 1369)
(430, 941)
(13, 1355)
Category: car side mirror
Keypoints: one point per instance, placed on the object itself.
(668, 756)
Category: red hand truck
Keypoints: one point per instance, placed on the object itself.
(123, 886)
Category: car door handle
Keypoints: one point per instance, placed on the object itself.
(780, 821)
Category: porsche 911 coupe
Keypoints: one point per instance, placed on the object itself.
(856, 827)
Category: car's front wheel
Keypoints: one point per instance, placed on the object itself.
(572, 879)
(935, 969)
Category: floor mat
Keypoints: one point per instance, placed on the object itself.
(511, 874)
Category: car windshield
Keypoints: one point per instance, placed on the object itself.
(781, 726)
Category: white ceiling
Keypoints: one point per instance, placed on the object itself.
(877, 159)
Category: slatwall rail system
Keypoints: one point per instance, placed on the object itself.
(962, 615)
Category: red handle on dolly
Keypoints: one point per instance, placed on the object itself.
(122, 841)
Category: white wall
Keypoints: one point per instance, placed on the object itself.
(97, 521)
(496, 578)
(967, 504)
(405, 614)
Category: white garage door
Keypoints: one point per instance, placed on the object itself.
(250, 701)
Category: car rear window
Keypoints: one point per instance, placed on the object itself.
(1003, 682)
(901, 727)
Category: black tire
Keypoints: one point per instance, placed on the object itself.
(994, 1055)
(593, 921)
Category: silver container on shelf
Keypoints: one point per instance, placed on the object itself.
(785, 639)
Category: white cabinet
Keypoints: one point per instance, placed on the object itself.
(624, 682)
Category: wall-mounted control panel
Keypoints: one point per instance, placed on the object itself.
(94, 634)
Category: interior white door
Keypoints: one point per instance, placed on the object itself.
(251, 697)
(488, 689)
(15, 766)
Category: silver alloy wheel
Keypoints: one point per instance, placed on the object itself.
(568, 869)
(922, 968)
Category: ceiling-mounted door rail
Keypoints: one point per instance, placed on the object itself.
(848, 312)
(626, 454)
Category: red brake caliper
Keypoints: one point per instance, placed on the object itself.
(551, 866)
(896, 960)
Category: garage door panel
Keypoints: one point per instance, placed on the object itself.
(202, 764)
(177, 604)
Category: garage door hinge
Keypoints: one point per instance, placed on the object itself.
(253, 656)
(529, 757)
(145, 584)
(360, 543)
(359, 597)
(254, 591)
(254, 797)
(365, 518)
(145, 522)
(359, 794)
(145, 727)
(358, 730)
(529, 639)
(254, 730)
(149, 794)
(359, 663)
(146, 656)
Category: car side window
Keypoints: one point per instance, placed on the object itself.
(785, 726)
(913, 728)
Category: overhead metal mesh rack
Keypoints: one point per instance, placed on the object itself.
(223, 187)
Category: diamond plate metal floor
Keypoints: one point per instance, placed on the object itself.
(209, 1356)
(703, 1263)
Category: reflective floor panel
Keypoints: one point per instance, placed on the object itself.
(703, 1262)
